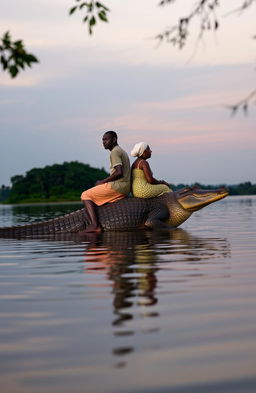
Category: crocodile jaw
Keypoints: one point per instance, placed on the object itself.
(193, 199)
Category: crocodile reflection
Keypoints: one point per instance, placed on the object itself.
(132, 260)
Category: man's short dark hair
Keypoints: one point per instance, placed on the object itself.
(112, 133)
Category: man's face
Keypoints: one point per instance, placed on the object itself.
(108, 141)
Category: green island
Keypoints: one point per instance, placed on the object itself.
(65, 182)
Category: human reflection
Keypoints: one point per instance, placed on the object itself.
(130, 266)
(131, 261)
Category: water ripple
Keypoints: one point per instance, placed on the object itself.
(131, 312)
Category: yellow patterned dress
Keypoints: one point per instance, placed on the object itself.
(142, 189)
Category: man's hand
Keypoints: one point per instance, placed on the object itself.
(98, 182)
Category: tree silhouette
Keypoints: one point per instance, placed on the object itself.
(14, 57)
(94, 11)
(205, 11)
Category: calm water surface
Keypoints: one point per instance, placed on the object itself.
(133, 312)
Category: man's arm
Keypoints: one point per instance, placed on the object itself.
(117, 174)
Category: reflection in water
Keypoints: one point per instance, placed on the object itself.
(131, 312)
(131, 262)
(25, 214)
(247, 202)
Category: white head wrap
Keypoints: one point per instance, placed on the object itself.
(139, 149)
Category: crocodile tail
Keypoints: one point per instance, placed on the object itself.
(69, 223)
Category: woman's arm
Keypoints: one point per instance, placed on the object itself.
(144, 165)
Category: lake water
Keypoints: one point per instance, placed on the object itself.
(133, 312)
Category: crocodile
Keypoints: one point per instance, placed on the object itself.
(165, 212)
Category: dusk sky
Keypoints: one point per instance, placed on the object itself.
(118, 79)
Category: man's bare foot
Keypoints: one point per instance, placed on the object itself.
(90, 229)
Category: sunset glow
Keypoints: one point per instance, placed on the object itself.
(118, 79)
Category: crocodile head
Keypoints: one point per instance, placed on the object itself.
(194, 198)
(182, 203)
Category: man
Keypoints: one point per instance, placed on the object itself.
(116, 186)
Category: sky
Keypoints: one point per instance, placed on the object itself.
(120, 79)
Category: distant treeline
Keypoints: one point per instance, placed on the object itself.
(65, 182)
(58, 182)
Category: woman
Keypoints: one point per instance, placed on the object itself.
(144, 185)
